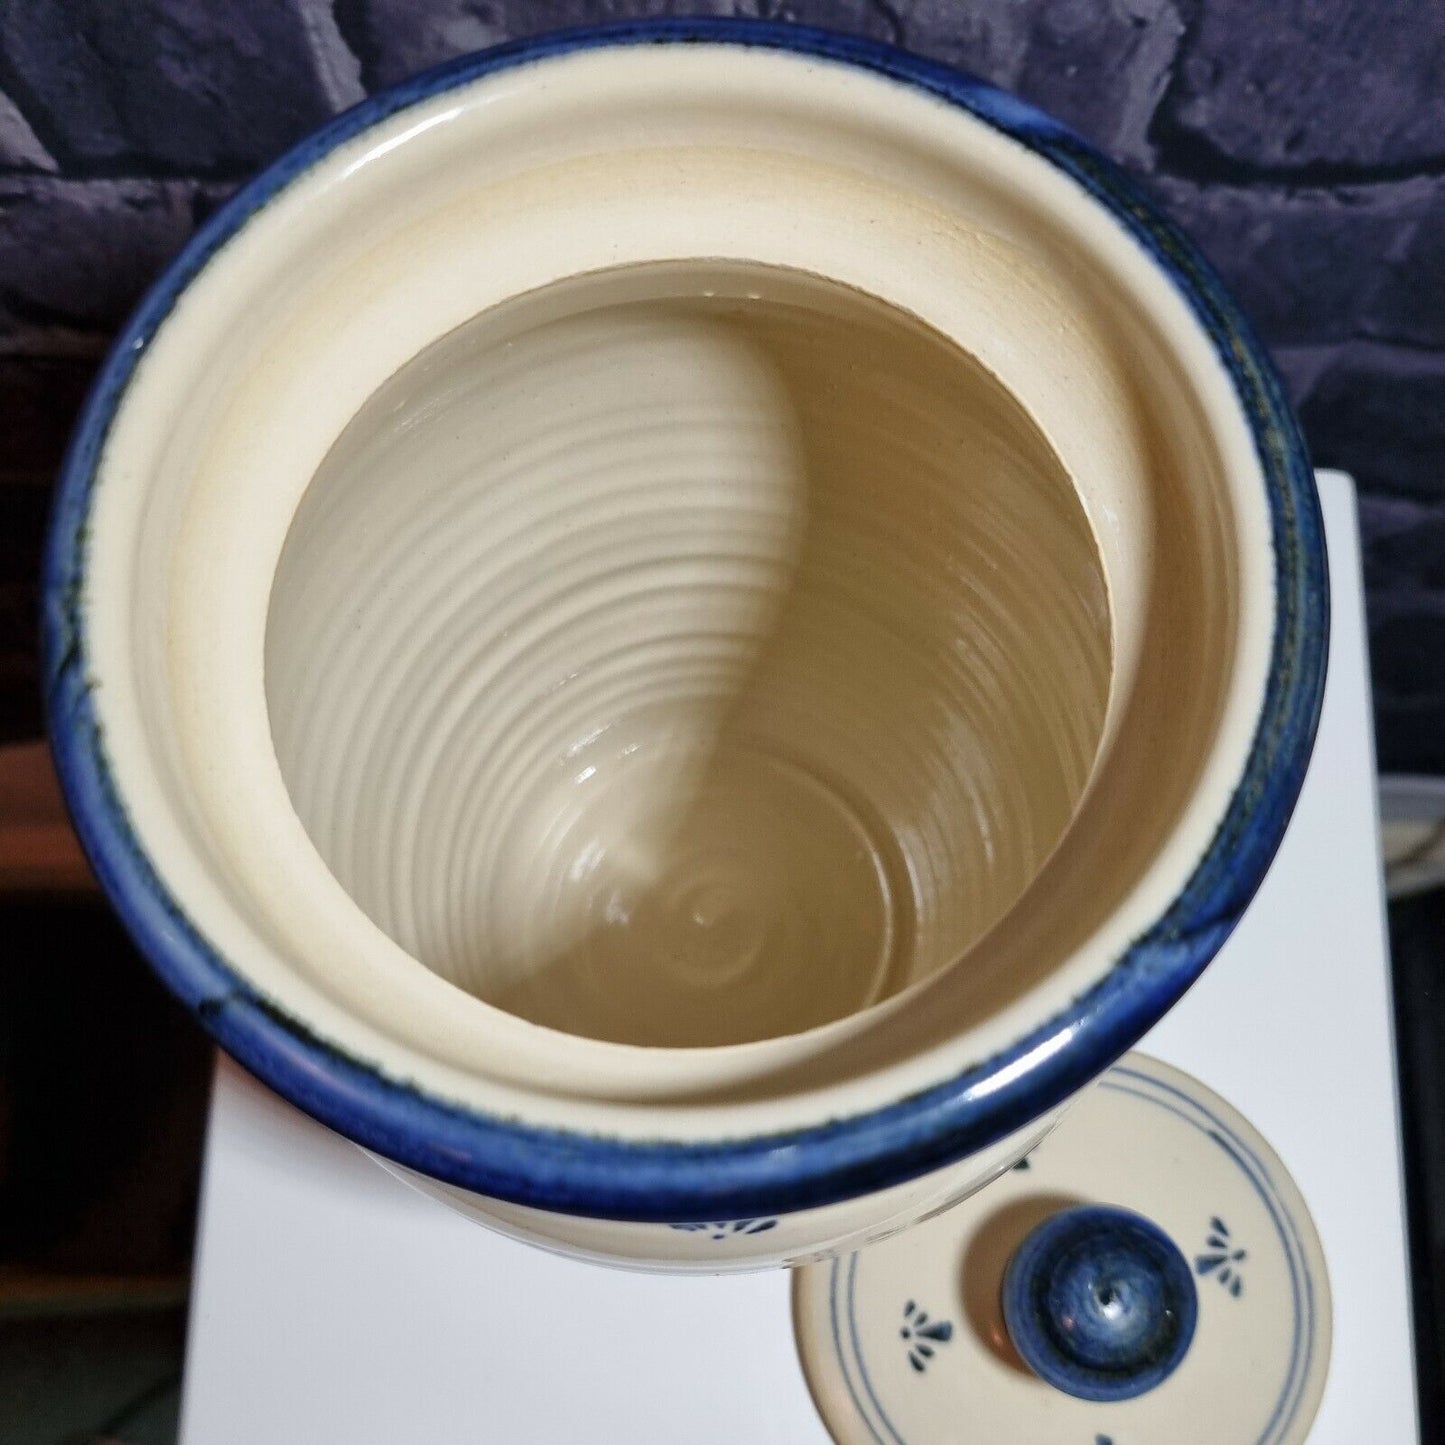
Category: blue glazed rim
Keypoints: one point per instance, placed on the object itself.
(673, 1180)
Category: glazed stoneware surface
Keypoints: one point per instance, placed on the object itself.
(1099, 1303)
(906, 1341)
(728, 1246)
(683, 630)
(688, 655)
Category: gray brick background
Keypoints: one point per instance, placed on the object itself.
(1301, 141)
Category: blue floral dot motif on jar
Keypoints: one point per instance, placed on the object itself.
(728, 1228)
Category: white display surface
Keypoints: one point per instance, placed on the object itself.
(335, 1306)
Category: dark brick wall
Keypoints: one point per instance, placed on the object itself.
(1301, 141)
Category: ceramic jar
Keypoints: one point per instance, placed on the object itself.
(683, 631)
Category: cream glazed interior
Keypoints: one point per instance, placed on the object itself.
(688, 655)
(718, 584)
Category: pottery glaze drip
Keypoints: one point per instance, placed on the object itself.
(688, 655)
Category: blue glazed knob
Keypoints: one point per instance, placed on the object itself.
(1100, 1303)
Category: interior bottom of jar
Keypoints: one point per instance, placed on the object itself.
(688, 655)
